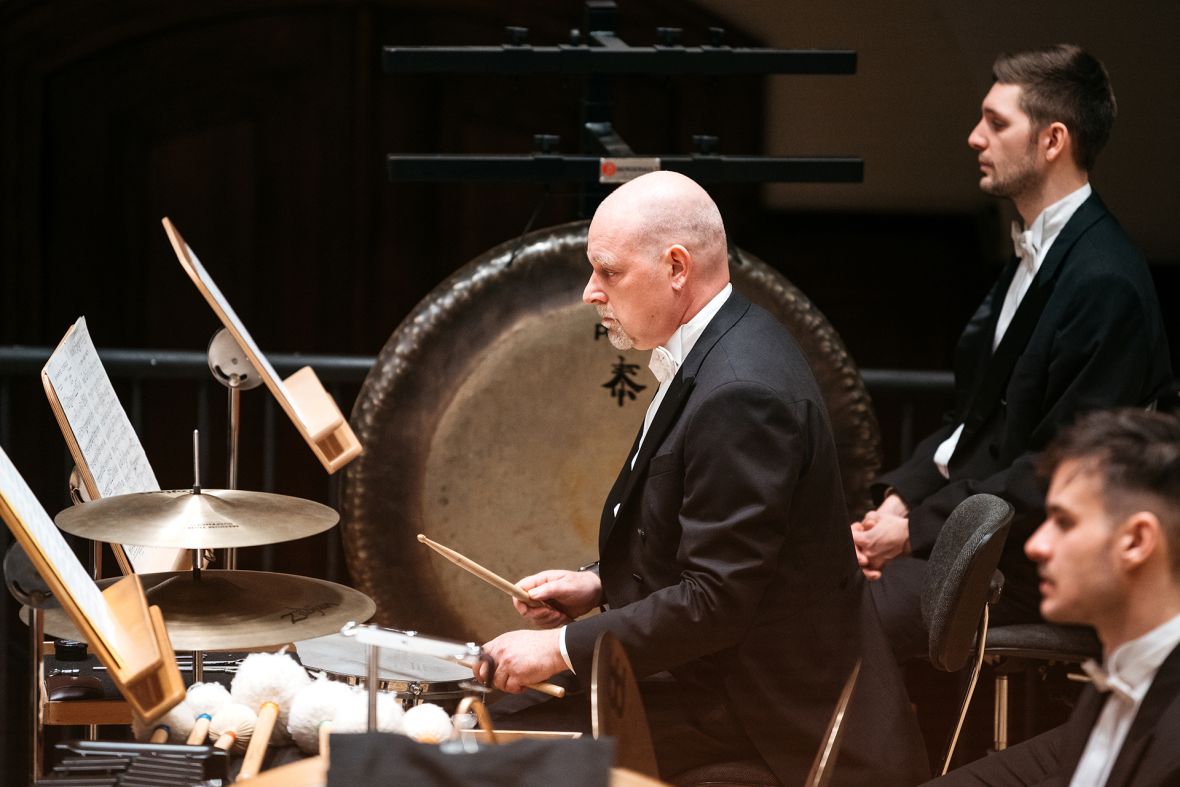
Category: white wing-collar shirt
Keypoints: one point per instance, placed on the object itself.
(1031, 246)
(664, 363)
(1128, 674)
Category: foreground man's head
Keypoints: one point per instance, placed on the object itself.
(657, 254)
(1109, 550)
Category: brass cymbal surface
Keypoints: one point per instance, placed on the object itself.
(211, 519)
(228, 610)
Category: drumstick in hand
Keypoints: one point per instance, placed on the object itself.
(491, 577)
(552, 689)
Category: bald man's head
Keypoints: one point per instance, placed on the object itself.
(658, 253)
(660, 209)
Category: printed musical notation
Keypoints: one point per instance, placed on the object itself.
(110, 450)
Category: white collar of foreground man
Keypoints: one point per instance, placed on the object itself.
(1130, 668)
(666, 359)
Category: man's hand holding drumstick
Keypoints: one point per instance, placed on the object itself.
(524, 657)
(575, 592)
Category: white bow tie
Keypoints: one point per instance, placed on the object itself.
(662, 364)
(1022, 244)
(1106, 682)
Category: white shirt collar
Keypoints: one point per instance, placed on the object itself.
(666, 359)
(1046, 227)
(1136, 662)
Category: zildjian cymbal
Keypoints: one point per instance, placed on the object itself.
(210, 519)
(228, 610)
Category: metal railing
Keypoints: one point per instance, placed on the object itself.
(135, 367)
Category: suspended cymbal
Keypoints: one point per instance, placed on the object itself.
(229, 610)
(213, 519)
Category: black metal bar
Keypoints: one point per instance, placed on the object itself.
(183, 364)
(586, 59)
(585, 169)
(608, 140)
(178, 364)
(907, 381)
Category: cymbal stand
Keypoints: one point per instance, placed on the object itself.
(232, 368)
(78, 496)
(37, 753)
(198, 656)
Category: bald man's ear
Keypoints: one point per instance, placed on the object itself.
(1141, 537)
(679, 265)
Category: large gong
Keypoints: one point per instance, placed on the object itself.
(497, 416)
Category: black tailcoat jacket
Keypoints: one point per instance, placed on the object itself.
(730, 562)
(1149, 756)
(1088, 334)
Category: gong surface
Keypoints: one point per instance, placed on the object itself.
(497, 417)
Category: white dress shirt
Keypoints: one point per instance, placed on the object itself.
(664, 363)
(1130, 670)
(1031, 246)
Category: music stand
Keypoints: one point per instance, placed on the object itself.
(301, 395)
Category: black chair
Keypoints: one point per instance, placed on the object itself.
(1010, 648)
(961, 583)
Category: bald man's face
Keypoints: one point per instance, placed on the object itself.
(630, 285)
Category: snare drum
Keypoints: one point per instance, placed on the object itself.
(414, 677)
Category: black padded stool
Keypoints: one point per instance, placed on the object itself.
(1010, 649)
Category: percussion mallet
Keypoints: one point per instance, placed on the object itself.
(428, 723)
(173, 727)
(313, 710)
(268, 682)
(353, 715)
(232, 726)
(204, 699)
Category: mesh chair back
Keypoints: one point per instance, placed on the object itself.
(959, 575)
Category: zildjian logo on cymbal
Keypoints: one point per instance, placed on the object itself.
(299, 614)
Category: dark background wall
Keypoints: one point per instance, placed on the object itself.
(260, 127)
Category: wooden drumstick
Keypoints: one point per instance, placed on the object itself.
(268, 714)
(491, 577)
(552, 689)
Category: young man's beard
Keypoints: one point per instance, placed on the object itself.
(1021, 178)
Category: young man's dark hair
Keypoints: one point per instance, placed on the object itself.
(1137, 456)
(1064, 83)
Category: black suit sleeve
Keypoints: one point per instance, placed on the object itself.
(1102, 355)
(743, 448)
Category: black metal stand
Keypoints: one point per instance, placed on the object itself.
(596, 52)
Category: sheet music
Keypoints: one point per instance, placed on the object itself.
(109, 445)
(246, 339)
(78, 584)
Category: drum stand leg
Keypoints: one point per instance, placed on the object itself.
(373, 663)
(37, 731)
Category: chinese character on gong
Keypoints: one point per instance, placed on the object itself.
(621, 385)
